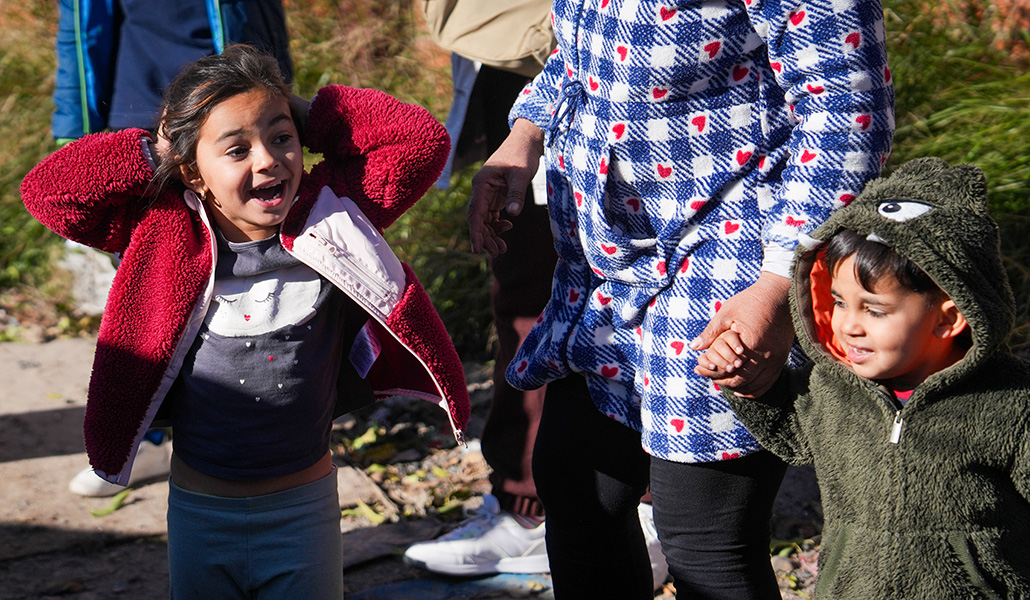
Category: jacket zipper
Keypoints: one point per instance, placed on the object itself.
(898, 422)
(359, 271)
(896, 428)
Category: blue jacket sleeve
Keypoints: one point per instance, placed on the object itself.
(82, 90)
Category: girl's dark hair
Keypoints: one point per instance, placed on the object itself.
(874, 261)
(198, 89)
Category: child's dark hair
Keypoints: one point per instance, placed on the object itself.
(199, 88)
(874, 261)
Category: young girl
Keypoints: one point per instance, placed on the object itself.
(253, 304)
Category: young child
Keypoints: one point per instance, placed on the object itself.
(253, 304)
(914, 413)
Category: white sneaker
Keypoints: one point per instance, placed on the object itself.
(491, 541)
(659, 568)
(152, 461)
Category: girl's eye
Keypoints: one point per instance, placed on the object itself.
(237, 152)
(266, 298)
(876, 314)
(283, 139)
(838, 303)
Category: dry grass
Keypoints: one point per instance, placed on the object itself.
(1006, 21)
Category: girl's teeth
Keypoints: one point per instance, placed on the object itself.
(268, 193)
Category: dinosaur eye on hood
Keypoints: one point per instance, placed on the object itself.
(902, 211)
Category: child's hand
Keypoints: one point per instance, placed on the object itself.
(725, 355)
(162, 147)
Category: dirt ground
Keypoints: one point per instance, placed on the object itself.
(52, 546)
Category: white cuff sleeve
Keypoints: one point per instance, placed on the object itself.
(777, 260)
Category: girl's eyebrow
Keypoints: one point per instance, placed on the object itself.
(279, 118)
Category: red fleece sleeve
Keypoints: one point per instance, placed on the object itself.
(381, 152)
(90, 190)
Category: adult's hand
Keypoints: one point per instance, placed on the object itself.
(762, 316)
(501, 184)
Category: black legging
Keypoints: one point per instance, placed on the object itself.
(712, 518)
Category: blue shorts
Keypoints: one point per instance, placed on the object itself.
(282, 545)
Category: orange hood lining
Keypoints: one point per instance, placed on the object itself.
(820, 282)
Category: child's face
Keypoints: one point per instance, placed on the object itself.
(892, 335)
(249, 162)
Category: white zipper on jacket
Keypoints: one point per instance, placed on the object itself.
(896, 428)
(388, 297)
(355, 269)
(898, 422)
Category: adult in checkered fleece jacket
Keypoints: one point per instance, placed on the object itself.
(687, 144)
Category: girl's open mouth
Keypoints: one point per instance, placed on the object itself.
(269, 195)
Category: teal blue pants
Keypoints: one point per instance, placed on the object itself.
(282, 545)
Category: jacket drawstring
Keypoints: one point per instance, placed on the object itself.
(571, 91)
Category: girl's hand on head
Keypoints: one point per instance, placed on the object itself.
(725, 355)
(760, 315)
(501, 185)
(162, 147)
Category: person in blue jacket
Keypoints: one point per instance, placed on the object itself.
(114, 58)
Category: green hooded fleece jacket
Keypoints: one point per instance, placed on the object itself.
(930, 500)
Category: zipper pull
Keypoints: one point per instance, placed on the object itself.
(896, 428)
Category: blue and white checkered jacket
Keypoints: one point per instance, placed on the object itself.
(688, 144)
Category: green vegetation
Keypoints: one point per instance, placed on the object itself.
(963, 94)
(26, 80)
(959, 96)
